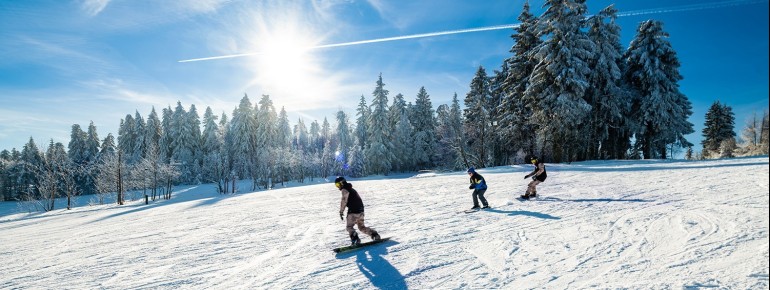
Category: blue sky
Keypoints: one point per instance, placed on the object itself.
(73, 62)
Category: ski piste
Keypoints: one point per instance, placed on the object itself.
(361, 245)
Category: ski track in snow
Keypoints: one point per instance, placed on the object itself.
(650, 224)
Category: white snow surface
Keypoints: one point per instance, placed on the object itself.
(641, 224)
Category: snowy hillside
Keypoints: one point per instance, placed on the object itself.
(615, 224)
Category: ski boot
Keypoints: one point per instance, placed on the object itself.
(525, 196)
(354, 239)
(533, 194)
(375, 236)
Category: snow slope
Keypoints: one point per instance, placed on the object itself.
(617, 224)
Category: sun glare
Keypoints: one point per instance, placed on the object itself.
(285, 66)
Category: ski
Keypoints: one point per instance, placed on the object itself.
(361, 245)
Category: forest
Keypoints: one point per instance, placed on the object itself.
(568, 92)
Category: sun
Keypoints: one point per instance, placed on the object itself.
(285, 65)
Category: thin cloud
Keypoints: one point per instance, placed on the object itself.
(404, 37)
(94, 7)
(495, 27)
(693, 7)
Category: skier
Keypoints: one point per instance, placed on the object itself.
(479, 186)
(538, 176)
(355, 205)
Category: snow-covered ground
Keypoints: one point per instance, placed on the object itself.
(657, 224)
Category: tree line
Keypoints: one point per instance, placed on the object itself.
(567, 92)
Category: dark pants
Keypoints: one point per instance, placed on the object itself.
(478, 194)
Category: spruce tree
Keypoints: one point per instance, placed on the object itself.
(660, 110)
(559, 80)
(608, 134)
(379, 146)
(718, 127)
(516, 130)
(424, 123)
(477, 118)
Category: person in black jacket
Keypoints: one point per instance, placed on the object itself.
(538, 176)
(355, 205)
(479, 186)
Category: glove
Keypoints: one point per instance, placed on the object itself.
(526, 176)
(534, 177)
(341, 216)
(471, 187)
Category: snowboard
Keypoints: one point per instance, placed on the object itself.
(361, 245)
(475, 210)
(526, 199)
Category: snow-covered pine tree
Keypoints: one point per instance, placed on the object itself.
(283, 142)
(212, 143)
(379, 148)
(608, 134)
(477, 119)
(300, 153)
(91, 145)
(196, 141)
(301, 138)
(79, 154)
(660, 109)
(424, 124)
(31, 161)
(153, 130)
(344, 144)
(108, 147)
(403, 144)
(184, 143)
(314, 135)
(226, 175)
(516, 131)
(125, 140)
(242, 135)
(267, 120)
(166, 137)
(327, 150)
(357, 166)
(455, 124)
(718, 127)
(362, 124)
(498, 152)
(559, 80)
(77, 145)
(446, 155)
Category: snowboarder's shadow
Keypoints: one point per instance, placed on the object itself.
(376, 268)
(525, 213)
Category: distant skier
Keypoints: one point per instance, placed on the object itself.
(479, 186)
(538, 176)
(355, 205)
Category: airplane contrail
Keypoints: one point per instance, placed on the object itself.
(681, 8)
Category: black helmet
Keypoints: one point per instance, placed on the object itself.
(532, 159)
(340, 181)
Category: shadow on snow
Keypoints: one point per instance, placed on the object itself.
(376, 268)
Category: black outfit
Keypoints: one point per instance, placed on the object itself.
(543, 175)
(355, 204)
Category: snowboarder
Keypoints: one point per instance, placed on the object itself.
(538, 176)
(479, 186)
(355, 205)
